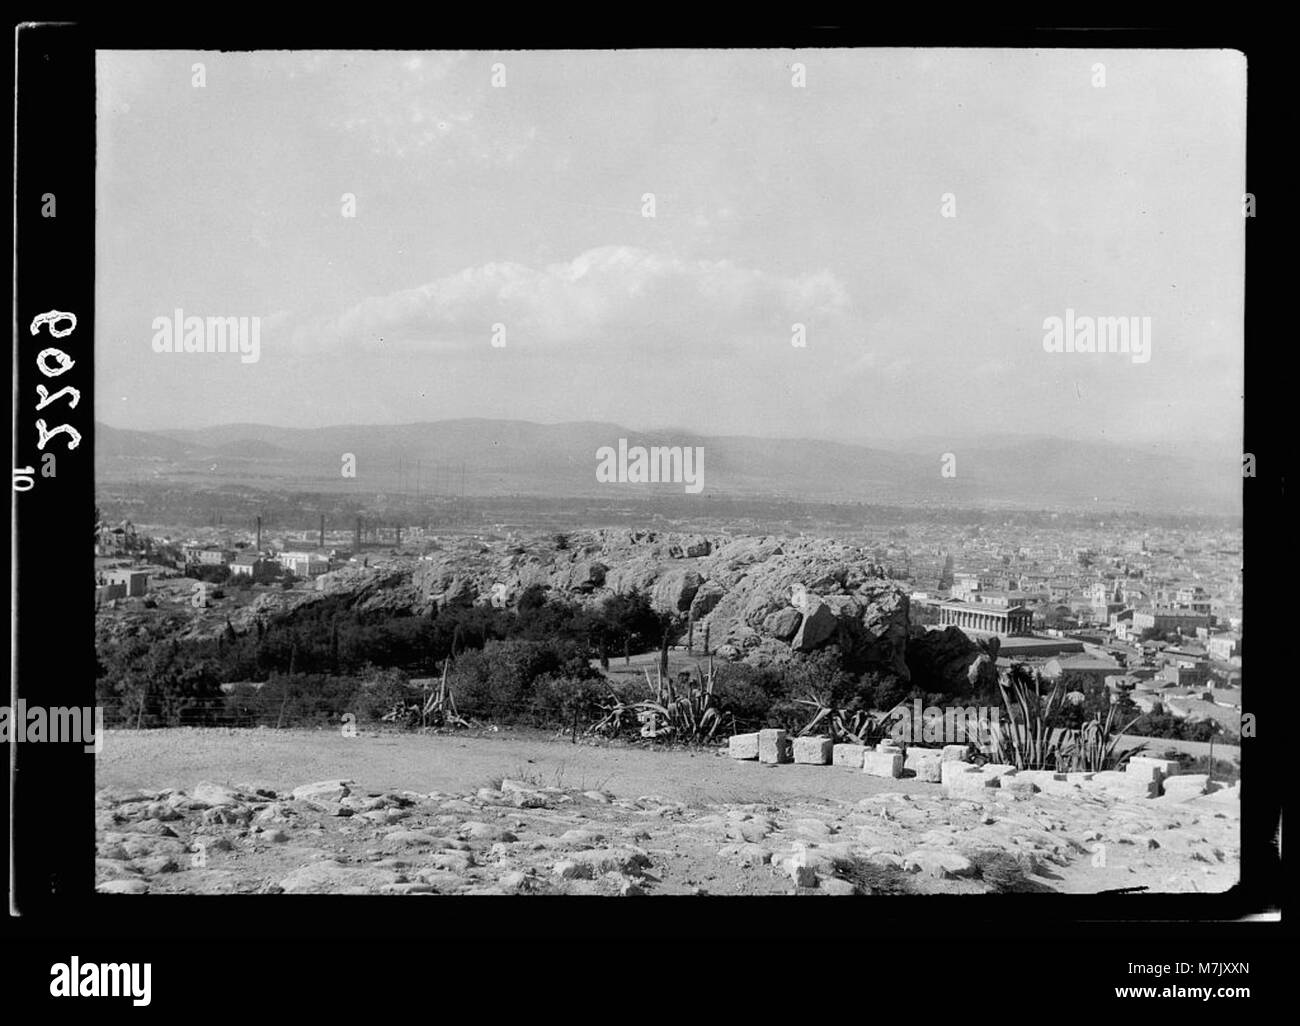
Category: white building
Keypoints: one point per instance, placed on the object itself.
(304, 564)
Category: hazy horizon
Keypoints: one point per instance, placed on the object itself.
(522, 205)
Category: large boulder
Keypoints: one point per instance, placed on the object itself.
(818, 626)
(783, 624)
(951, 657)
(706, 598)
(675, 590)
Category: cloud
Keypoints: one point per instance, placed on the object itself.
(604, 298)
(429, 105)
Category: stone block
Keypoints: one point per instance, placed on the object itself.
(1039, 778)
(743, 746)
(848, 755)
(1121, 782)
(1187, 785)
(1016, 782)
(1150, 768)
(883, 763)
(323, 793)
(774, 746)
(814, 751)
(955, 753)
(926, 763)
(963, 779)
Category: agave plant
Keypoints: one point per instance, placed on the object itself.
(857, 727)
(692, 715)
(1093, 746)
(1026, 741)
(436, 707)
(618, 715)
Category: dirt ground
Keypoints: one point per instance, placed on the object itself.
(455, 763)
(268, 812)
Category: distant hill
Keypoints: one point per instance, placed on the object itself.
(507, 457)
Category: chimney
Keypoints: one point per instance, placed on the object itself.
(322, 530)
(258, 543)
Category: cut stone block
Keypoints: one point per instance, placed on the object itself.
(961, 778)
(1143, 771)
(1040, 778)
(1017, 782)
(743, 746)
(1122, 782)
(1079, 777)
(926, 763)
(848, 755)
(814, 751)
(1147, 765)
(1187, 785)
(955, 753)
(883, 763)
(773, 746)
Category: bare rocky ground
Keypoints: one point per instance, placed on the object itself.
(214, 811)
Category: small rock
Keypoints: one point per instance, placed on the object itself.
(570, 870)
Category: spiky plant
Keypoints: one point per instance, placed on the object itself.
(1027, 741)
(843, 726)
(1093, 747)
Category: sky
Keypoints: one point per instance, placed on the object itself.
(520, 205)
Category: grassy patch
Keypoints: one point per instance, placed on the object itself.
(870, 877)
(1003, 873)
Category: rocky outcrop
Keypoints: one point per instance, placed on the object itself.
(519, 837)
(949, 657)
(763, 599)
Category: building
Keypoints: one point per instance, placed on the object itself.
(1224, 646)
(1096, 668)
(1196, 599)
(207, 555)
(973, 616)
(1105, 601)
(246, 564)
(1183, 676)
(134, 582)
(108, 592)
(305, 564)
(965, 587)
(1166, 620)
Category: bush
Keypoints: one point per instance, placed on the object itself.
(218, 574)
(563, 701)
(382, 691)
(498, 682)
(740, 690)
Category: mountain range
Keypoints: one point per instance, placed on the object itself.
(508, 457)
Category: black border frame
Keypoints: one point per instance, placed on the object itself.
(55, 269)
